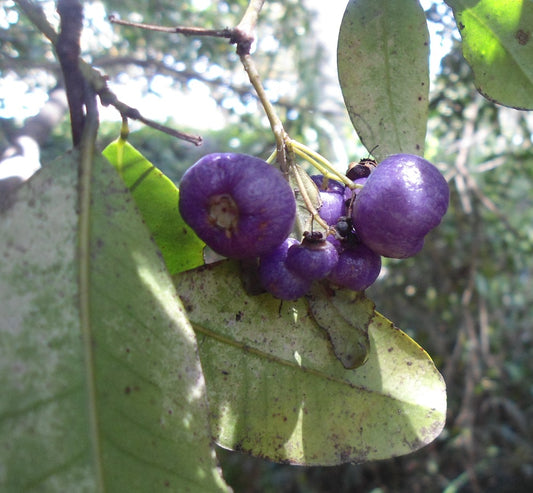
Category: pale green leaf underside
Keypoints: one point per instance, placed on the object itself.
(120, 404)
(277, 390)
(498, 45)
(382, 58)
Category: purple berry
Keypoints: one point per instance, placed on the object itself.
(403, 199)
(238, 204)
(327, 185)
(312, 259)
(332, 207)
(349, 193)
(277, 279)
(357, 268)
(336, 242)
(332, 197)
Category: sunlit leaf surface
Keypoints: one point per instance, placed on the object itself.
(115, 402)
(276, 389)
(382, 57)
(498, 45)
(157, 199)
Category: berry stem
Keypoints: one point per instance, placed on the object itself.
(309, 203)
(321, 163)
(314, 163)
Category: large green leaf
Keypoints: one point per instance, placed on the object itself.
(277, 390)
(498, 45)
(109, 399)
(382, 57)
(157, 199)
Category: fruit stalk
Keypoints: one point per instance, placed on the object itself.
(275, 122)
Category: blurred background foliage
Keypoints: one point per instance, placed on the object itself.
(466, 297)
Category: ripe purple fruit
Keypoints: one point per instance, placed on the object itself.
(332, 197)
(403, 199)
(277, 279)
(357, 268)
(312, 259)
(349, 193)
(238, 204)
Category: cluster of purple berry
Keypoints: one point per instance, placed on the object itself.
(242, 207)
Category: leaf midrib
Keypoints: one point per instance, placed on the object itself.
(284, 362)
(388, 78)
(84, 287)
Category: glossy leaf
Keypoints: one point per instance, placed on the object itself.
(157, 199)
(382, 58)
(277, 390)
(498, 45)
(111, 401)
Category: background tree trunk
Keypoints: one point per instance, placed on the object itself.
(22, 158)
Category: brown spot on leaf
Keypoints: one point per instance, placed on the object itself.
(522, 37)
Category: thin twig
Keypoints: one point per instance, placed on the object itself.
(187, 31)
(275, 123)
(35, 13)
(107, 97)
(242, 36)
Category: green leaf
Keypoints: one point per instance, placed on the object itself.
(345, 316)
(382, 58)
(277, 390)
(157, 199)
(498, 45)
(111, 400)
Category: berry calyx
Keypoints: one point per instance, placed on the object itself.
(224, 213)
(362, 169)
